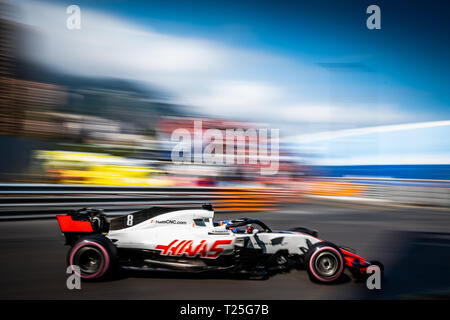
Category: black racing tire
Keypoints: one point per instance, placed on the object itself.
(95, 256)
(324, 262)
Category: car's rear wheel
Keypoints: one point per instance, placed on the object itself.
(92, 257)
(324, 262)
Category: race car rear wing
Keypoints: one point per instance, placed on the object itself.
(81, 222)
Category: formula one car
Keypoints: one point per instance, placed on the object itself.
(188, 240)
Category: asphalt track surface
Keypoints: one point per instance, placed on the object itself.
(412, 243)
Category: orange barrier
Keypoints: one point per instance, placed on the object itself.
(329, 188)
(251, 199)
(44, 200)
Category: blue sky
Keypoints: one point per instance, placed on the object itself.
(411, 49)
(304, 66)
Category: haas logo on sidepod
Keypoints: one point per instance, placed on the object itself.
(180, 247)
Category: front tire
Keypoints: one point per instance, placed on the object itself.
(92, 257)
(324, 262)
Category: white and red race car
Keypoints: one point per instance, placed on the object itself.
(188, 240)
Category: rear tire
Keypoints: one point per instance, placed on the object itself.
(95, 256)
(324, 262)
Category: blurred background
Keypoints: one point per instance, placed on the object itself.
(87, 113)
(360, 112)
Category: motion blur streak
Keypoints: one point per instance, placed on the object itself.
(87, 116)
(361, 131)
(76, 127)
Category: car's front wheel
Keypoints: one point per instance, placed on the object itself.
(324, 262)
